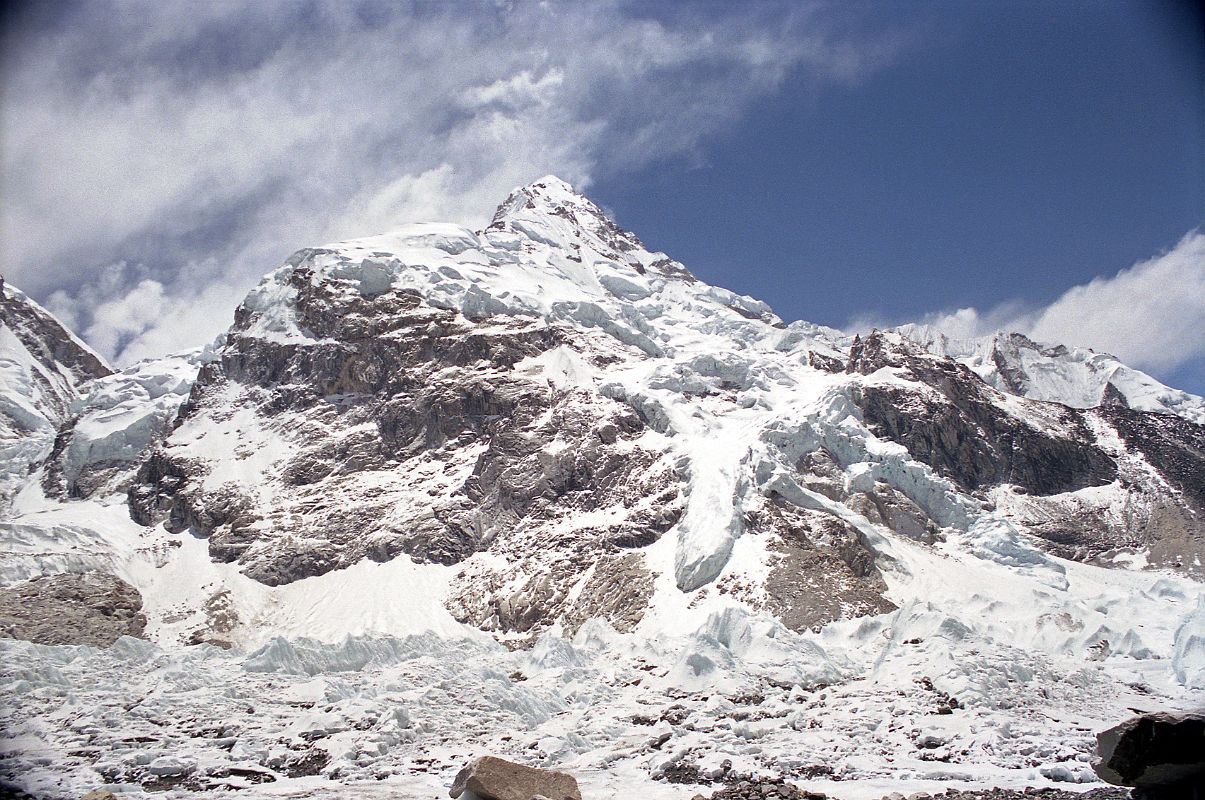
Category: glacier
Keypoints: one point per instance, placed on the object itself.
(536, 490)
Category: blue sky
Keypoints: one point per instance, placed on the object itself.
(1027, 165)
(1016, 149)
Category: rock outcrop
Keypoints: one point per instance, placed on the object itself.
(72, 608)
(561, 417)
(549, 392)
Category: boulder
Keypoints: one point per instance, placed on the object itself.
(492, 778)
(1154, 751)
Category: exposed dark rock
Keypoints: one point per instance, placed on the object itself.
(493, 778)
(393, 382)
(826, 363)
(1162, 753)
(764, 789)
(72, 608)
(957, 430)
(1172, 445)
(1029, 793)
(312, 763)
(951, 420)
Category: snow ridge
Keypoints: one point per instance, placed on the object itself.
(438, 486)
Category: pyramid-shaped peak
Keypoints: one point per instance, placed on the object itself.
(551, 185)
(548, 195)
(551, 201)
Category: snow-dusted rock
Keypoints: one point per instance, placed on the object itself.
(440, 486)
(1073, 376)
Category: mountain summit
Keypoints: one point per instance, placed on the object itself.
(542, 450)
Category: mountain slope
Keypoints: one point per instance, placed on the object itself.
(1076, 377)
(42, 365)
(679, 515)
(550, 393)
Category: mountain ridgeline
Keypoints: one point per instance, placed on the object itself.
(536, 491)
(605, 427)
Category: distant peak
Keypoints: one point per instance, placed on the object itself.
(548, 195)
(551, 198)
(551, 184)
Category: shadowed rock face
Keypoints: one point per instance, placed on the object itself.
(74, 608)
(1173, 446)
(952, 422)
(1160, 753)
(46, 339)
(955, 427)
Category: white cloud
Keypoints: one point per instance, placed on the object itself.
(1150, 315)
(201, 154)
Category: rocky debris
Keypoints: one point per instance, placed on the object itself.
(892, 509)
(1163, 754)
(72, 608)
(618, 590)
(1029, 793)
(821, 570)
(762, 789)
(311, 763)
(493, 778)
(221, 617)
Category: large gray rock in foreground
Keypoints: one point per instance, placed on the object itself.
(1154, 752)
(492, 778)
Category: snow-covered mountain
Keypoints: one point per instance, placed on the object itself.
(1077, 377)
(42, 366)
(542, 451)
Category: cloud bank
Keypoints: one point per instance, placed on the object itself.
(158, 157)
(1150, 315)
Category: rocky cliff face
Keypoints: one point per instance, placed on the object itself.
(455, 484)
(591, 419)
(42, 366)
(582, 429)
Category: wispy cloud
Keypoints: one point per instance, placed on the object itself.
(1150, 315)
(195, 145)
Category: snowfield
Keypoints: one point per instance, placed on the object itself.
(712, 544)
